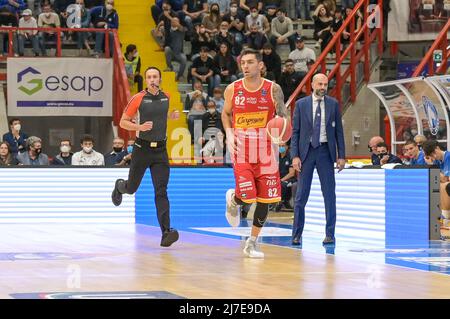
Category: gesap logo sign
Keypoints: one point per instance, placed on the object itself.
(60, 87)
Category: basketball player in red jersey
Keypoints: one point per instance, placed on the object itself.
(249, 104)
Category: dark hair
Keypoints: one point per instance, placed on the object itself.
(86, 138)
(429, 147)
(382, 144)
(282, 10)
(288, 61)
(234, 2)
(267, 46)
(253, 7)
(66, 140)
(204, 49)
(130, 48)
(409, 142)
(257, 54)
(153, 68)
(11, 121)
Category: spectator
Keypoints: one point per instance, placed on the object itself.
(211, 123)
(330, 5)
(373, 142)
(322, 27)
(47, 19)
(194, 11)
(214, 150)
(13, 6)
(282, 30)
(6, 157)
(174, 48)
(224, 6)
(290, 79)
(246, 5)
(132, 62)
(226, 66)
(127, 158)
(85, 22)
(348, 3)
(272, 61)
(212, 20)
(196, 95)
(15, 138)
(104, 17)
(87, 156)
(416, 156)
(304, 14)
(27, 21)
(358, 24)
(301, 55)
(419, 139)
(203, 70)
(386, 157)
(236, 21)
(267, 75)
(201, 39)
(270, 9)
(336, 24)
(65, 156)
(33, 155)
(288, 177)
(256, 39)
(117, 154)
(223, 36)
(158, 8)
(261, 22)
(195, 114)
(7, 19)
(218, 99)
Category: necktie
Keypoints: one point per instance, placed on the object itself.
(315, 140)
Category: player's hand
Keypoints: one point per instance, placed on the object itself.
(340, 164)
(147, 126)
(175, 115)
(297, 164)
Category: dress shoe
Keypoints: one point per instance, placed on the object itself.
(329, 240)
(116, 195)
(297, 241)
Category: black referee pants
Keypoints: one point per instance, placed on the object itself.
(157, 160)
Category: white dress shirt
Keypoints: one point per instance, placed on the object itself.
(323, 132)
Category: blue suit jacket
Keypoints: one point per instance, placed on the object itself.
(303, 128)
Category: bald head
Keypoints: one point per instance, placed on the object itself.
(320, 84)
(373, 143)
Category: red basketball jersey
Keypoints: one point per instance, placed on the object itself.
(252, 110)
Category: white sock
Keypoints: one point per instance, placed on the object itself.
(446, 214)
(253, 238)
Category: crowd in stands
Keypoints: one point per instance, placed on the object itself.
(73, 14)
(17, 148)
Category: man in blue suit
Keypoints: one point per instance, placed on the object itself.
(317, 137)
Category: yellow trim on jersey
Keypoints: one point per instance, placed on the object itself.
(268, 200)
(260, 87)
(248, 201)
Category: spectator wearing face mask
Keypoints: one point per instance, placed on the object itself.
(127, 158)
(87, 156)
(104, 17)
(15, 137)
(65, 156)
(260, 20)
(117, 154)
(211, 123)
(47, 19)
(34, 155)
(386, 157)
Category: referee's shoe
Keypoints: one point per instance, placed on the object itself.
(169, 237)
(116, 195)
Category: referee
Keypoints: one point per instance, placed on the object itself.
(150, 110)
